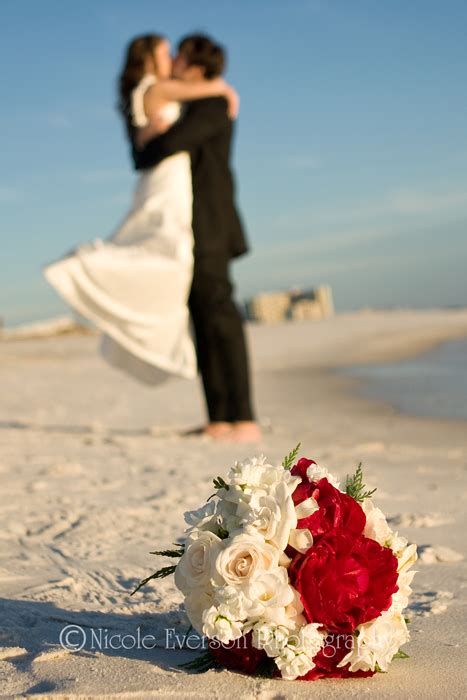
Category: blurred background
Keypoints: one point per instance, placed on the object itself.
(351, 147)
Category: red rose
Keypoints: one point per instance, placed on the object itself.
(344, 580)
(326, 660)
(239, 655)
(336, 509)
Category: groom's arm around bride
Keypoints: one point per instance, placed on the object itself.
(205, 131)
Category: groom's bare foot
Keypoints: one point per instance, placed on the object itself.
(245, 431)
(218, 430)
(223, 431)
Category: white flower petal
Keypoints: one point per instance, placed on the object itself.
(301, 539)
(306, 508)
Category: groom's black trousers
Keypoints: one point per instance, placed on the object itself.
(220, 341)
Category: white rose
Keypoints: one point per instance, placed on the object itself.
(196, 602)
(243, 557)
(377, 642)
(219, 624)
(269, 589)
(272, 514)
(315, 473)
(292, 665)
(195, 566)
(376, 527)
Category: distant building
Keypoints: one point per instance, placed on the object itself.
(299, 305)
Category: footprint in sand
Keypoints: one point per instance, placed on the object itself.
(437, 555)
(426, 603)
(420, 520)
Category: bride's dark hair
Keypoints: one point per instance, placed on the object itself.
(133, 69)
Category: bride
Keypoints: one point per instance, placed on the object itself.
(134, 286)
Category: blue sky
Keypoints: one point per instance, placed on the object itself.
(351, 147)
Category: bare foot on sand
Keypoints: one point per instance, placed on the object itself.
(241, 431)
(218, 430)
(215, 430)
(244, 431)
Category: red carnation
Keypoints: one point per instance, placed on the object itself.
(239, 655)
(300, 468)
(344, 580)
(336, 509)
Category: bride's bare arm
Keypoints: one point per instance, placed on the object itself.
(178, 91)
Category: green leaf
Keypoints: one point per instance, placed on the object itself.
(219, 483)
(161, 573)
(171, 552)
(202, 663)
(401, 655)
(222, 532)
(288, 461)
(355, 487)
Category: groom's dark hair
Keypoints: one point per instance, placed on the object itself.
(200, 50)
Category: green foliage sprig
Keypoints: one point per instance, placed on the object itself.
(355, 487)
(171, 552)
(288, 461)
(202, 663)
(165, 570)
(219, 483)
(401, 655)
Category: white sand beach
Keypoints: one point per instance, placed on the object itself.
(94, 475)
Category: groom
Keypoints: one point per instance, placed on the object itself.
(206, 132)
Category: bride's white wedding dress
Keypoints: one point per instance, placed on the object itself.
(134, 286)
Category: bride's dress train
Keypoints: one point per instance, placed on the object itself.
(134, 286)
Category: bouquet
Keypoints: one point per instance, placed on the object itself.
(286, 574)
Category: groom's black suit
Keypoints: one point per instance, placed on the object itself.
(206, 132)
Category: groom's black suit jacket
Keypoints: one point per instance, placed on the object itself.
(205, 130)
